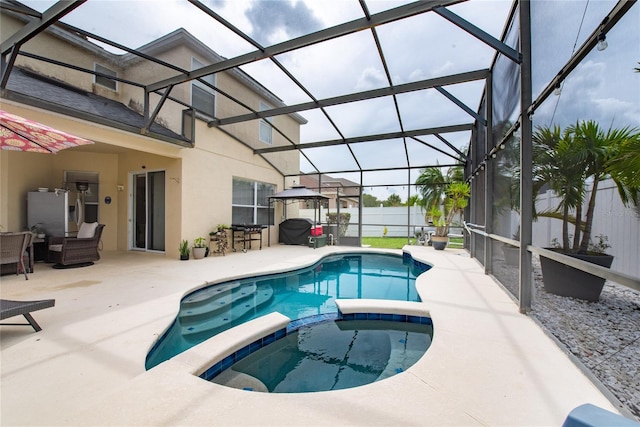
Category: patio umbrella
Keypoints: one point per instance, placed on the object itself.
(20, 134)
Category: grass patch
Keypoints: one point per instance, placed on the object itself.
(386, 242)
(399, 242)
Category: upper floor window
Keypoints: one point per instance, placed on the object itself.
(105, 81)
(266, 130)
(202, 96)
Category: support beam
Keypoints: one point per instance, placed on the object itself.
(479, 34)
(148, 120)
(359, 96)
(379, 137)
(35, 27)
(461, 104)
(461, 160)
(489, 181)
(329, 172)
(526, 159)
(347, 28)
(448, 144)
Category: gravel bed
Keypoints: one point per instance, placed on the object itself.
(603, 335)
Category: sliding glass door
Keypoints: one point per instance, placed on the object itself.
(147, 215)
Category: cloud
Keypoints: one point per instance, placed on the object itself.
(275, 21)
(590, 94)
(370, 78)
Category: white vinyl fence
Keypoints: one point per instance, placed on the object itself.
(395, 220)
(620, 224)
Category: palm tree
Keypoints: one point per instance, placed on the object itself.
(627, 164)
(555, 166)
(432, 185)
(584, 153)
(458, 194)
(600, 150)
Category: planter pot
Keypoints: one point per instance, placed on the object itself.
(439, 242)
(563, 280)
(198, 253)
(184, 257)
(511, 255)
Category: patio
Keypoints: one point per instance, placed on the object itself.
(488, 364)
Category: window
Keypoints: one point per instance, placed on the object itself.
(202, 96)
(105, 81)
(266, 130)
(250, 204)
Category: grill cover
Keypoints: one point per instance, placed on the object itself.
(295, 231)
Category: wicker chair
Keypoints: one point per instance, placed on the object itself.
(76, 251)
(12, 249)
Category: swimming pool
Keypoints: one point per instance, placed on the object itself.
(297, 294)
(331, 355)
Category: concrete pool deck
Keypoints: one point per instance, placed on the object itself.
(488, 364)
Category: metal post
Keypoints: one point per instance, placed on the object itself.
(488, 173)
(360, 209)
(526, 158)
(408, 207)
(473, 201)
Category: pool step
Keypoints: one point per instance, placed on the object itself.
(227, 313)
(204, 295)
(217, 299)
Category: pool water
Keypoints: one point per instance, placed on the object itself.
(296, 294)
(330, 356)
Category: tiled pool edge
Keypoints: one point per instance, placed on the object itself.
(407, 257)
(392, 311)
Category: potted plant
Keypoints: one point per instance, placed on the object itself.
(457, 198)
(184, 250)
(199, 247)
(219, 236)
(569, 162)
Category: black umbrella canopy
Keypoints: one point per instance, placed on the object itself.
(298, 192)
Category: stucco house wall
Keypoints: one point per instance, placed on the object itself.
(198, 180)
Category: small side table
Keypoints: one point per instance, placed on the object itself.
(40, 248)
(37, 251)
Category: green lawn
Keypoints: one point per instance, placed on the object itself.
(399, 242)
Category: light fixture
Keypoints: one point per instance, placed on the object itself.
(494, 155)
(558, 90)
(82, 185)
(602, 42)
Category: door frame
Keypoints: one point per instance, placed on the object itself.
(130, 211)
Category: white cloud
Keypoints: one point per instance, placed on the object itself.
(370, 78)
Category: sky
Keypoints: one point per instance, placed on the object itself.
(421, 47)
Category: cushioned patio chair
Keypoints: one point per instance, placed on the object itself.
(9, 308)
(12, 249)
(77, 251)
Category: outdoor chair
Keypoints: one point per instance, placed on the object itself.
(12, 249)
(77, 251)
(9, 308)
